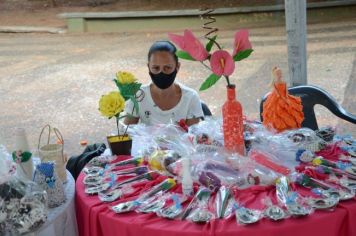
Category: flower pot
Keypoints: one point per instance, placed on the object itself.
(233, 123)
(120, 144)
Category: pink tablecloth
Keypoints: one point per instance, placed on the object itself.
(95, 218)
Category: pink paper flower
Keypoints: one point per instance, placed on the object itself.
(189, 43)
(222, 63)
(242, 41)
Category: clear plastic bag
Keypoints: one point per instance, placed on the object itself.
(23, 204)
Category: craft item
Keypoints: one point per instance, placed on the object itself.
(22, 156)
(187, 181)
(221, 201)
(54, 152)
(282, 111)
(47, 178)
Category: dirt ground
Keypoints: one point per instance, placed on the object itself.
(42, 13)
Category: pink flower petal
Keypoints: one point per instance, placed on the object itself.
(242, 41)
(194, 47)
(222, 63)
(177, 39)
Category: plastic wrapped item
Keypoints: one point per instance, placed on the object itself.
(159, 137)
(23, 204)
(208, 132)
(294, 203)
(146, 199)
(221, 201)
(112, 184)
(173, 210)
(245, 216)
(153, 204)
(305, 138)
(160, 160)
(270, 161)
(273, 212)
(275, 151)
(164, 186)
(198, 210)
(213, 174)
(135, 161)
(326, 133)
(208, 136)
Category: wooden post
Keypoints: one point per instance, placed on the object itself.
(296, 25)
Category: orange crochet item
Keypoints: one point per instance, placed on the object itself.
(282, 111)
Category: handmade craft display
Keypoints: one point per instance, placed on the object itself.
(282, 111)
(158, 181)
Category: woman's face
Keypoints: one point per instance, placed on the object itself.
(162, 61)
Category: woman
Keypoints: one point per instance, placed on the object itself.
(165, 100)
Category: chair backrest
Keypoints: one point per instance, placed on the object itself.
(206, 109)
(312, 96)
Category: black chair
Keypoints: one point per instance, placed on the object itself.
(312, 96)
(206, 109)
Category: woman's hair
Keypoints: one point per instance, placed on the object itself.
(164, 46)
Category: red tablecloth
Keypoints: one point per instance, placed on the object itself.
(95, 218)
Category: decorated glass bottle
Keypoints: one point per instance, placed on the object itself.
(233, 123)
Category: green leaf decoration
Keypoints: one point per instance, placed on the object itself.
(136, 107)
(210, 44)
(24, 157)
(210, 81)
(243, 54)
(184, 55)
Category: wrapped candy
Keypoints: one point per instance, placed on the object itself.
(282, 111)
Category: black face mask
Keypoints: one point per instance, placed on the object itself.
(163, 80)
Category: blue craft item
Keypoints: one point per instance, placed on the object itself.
(303, 155)
(176, 201)
(47, 169)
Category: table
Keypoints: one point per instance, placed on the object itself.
(61, 220)
(95, 218)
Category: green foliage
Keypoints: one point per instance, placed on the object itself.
(210, 81)
(184, 55)
(243, 54)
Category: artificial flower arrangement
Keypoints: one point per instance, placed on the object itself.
(222, 64)
(113, 104)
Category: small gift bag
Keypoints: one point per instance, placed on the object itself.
(54, 152)
(47, 178)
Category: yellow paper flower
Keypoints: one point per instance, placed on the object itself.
(125, 77)
(111, 104)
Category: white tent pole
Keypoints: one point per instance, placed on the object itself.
(296, 25)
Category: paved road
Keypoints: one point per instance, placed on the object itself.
(58, 79)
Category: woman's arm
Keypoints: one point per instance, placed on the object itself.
(192, 121)
(131, 120)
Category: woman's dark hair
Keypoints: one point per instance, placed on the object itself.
(165, 46)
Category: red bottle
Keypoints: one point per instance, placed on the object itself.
(233, 123)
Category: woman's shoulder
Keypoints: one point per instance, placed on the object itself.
(187, 90)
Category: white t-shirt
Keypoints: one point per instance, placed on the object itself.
(188, 107)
